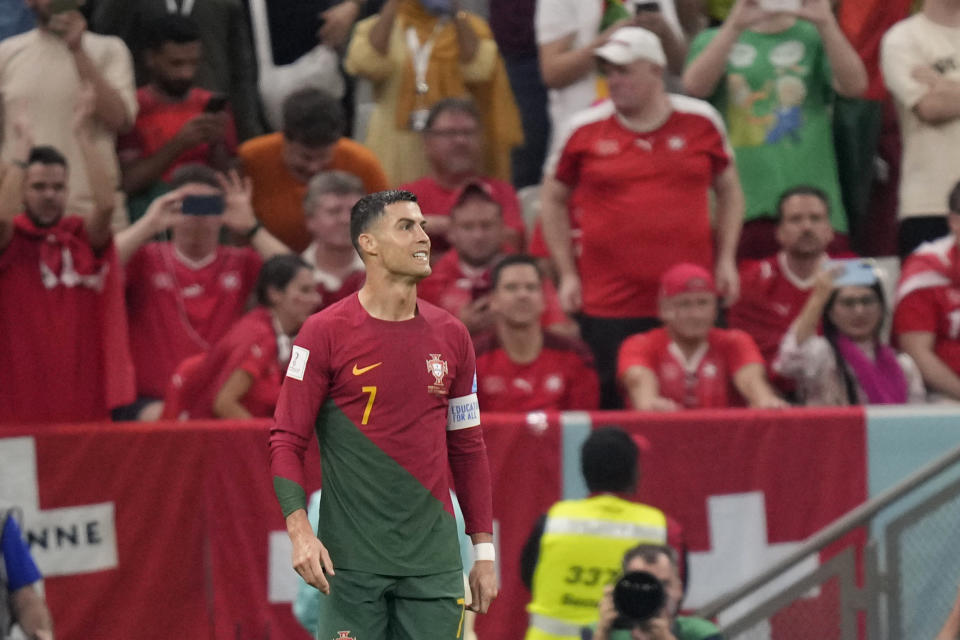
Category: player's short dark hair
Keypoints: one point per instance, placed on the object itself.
(172, 27)
(46, 155)
(370, 207)
(801, 190)
(608, 460)
(313, 118)
(194, 173)
(953, 202)
(276, 273)
(513, 260)
(650, 554)
(456, 105)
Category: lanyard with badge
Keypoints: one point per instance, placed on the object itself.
(420, 53)
(185, 9)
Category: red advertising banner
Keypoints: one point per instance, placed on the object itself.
(172, 530)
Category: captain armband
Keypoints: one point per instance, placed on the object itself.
(463, 412)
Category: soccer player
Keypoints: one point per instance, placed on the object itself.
(388, 382)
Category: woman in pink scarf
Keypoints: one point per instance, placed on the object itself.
(849, 364)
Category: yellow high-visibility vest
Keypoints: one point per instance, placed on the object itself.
(581, 549)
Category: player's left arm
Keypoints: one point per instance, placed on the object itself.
(730, 206)
(467, 455)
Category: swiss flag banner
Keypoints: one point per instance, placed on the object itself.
(748, 487)
(172, 530)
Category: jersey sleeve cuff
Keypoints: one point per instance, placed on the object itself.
(290, 494)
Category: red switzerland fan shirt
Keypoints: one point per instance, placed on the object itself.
(159, 120)
(451, 287)
(435, 200)
(250, 346)
(703, 382)
(771, 298)
(928, 297)
(177, 309)
(562, 378)
(933, 310)
(641, 199)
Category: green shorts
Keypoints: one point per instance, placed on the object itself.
(368, 606)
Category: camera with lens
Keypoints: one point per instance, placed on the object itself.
(638, 597)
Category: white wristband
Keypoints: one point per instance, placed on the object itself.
(484, 551)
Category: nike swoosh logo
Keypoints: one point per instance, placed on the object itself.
(359, 372)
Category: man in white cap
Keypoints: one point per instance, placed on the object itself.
(634, 175)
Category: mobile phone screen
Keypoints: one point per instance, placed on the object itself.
(216, 103)
(62, 6)
(856, 273)
(209, 205)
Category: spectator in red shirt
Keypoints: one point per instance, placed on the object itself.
(773, 290)
(926, 321)
(688, 364)
(634, 174)
(460, 281)
(184, 295)
(337, 267)
(177, 123)
(63, 334)
(241, 375)
(453, 140)
(521, 367)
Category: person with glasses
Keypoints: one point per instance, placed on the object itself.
(453, 143)
(849, 364)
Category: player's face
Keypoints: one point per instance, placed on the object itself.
(197, 236)
(804, 228)
(398, 241)
(305, 162)
(857, 312)
(518, 296)
(45, 193)
(632, 85)
(476, 231)
(329, 219)
(173, 67)
(453, 143)
(690, 316)
(297, 300)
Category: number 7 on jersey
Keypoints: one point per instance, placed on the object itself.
(366, 412)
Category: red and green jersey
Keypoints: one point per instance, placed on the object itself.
(392, 404)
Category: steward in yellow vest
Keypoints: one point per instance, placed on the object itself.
(580, 546)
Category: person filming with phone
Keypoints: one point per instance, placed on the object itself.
(47, 69)
(184, 295)
(644, 601)
(178, 123)
(849, 364)
(773, 70)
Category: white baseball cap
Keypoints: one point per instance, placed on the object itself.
(629, 44)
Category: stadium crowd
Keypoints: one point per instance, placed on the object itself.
(661, 205)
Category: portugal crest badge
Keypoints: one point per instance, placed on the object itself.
(437, 367)
(344, 635)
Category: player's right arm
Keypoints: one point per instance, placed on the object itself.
(304, 390)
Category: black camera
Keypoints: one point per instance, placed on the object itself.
(638, 597)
